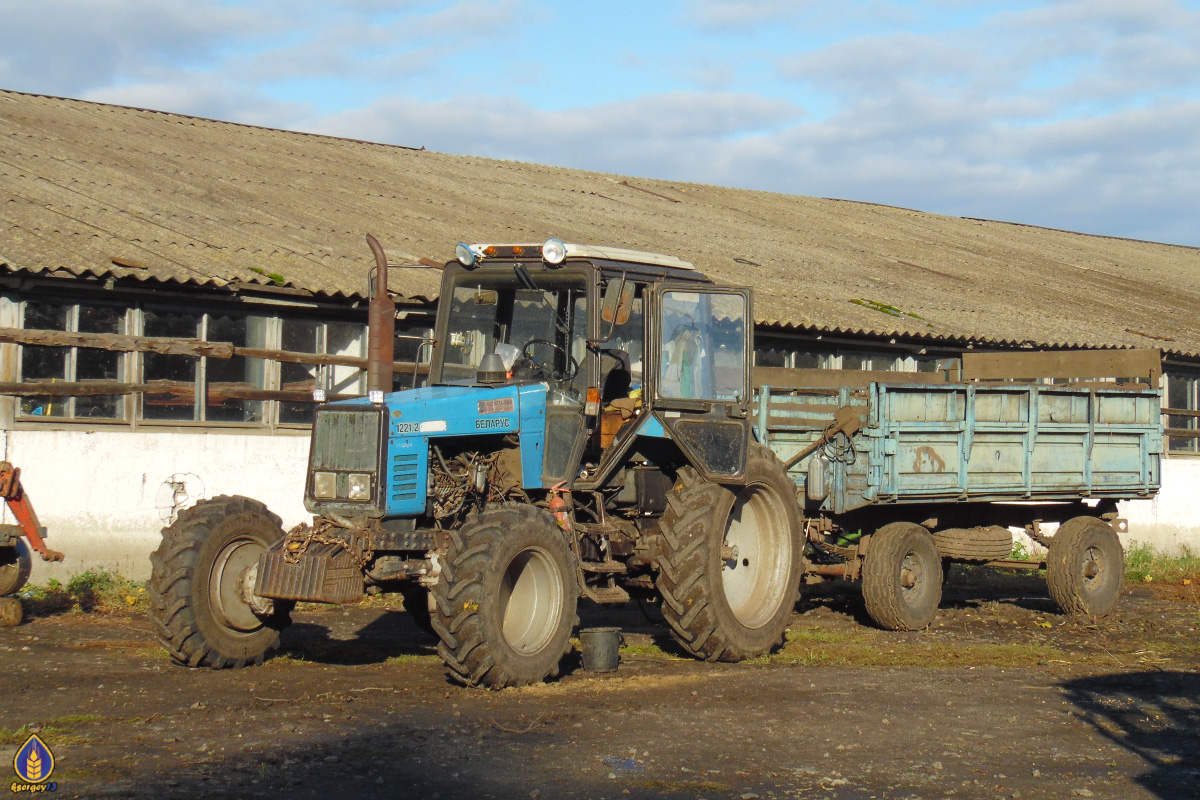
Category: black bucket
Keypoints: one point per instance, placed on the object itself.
(601, 648)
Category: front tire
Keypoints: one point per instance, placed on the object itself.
(902, 577)
(16, 564)
(506, 598)
(1085, 567)
(201, 585)
(738, 606)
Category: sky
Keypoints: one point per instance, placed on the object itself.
(1082, 115)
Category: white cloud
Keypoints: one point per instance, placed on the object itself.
(69, 46)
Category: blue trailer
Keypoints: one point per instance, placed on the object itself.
(950, 467)
(592, 427)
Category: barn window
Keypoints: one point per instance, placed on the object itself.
(50, 365)
(1183, 410)
(204, 388)
(301, 335)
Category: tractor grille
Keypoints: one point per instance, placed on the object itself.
(404, 484)
(346, 440)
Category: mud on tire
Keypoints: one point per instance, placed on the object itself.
(1085, 567)
(902, 577)
(198, 579)
(730, 610)
(506, 598)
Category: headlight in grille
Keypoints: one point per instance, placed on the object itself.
(360, 486)
(324, 485)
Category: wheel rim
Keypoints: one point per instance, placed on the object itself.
(757, 557)
(231, 584)
(531, 600)
(912, 579)
(1092, 568)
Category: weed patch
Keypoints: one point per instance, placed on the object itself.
(69, 729)
(94, 590)
(1143, 564)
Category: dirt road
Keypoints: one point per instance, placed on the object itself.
(1001, 698)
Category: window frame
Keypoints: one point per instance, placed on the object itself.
(131, 364)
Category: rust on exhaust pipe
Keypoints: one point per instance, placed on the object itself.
(381, 326)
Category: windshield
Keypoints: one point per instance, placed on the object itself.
(538, 327)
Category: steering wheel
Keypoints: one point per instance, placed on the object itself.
(572, 364)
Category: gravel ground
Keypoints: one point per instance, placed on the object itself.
(1001, 698)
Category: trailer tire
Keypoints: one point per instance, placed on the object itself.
(730, 610)
(199, 578)
(902, 577)
(506, 598)
(15, 566)
(1085, 567)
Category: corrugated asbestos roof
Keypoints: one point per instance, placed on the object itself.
(204, 202)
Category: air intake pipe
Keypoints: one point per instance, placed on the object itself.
(381, 325)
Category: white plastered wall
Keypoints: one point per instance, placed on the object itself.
(103, 496)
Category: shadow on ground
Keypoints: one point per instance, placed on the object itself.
(1155, 715)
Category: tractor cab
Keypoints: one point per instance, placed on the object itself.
(612, 334)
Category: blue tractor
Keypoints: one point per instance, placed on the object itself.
(584, 432)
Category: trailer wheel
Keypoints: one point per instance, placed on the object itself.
(506, 598)
(729, 571)
(902, 577)
(202, 580)
(15, 566)
(1085, 567)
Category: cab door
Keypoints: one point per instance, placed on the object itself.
(701, 346)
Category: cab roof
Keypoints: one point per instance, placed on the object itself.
(618, 254)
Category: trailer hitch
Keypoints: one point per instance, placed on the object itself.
(22, 508)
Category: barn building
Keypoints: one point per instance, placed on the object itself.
(217, 273)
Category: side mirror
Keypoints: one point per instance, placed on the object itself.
(617, 304)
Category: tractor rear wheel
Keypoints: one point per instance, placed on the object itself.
(506, 598)
(902, 577)
(15, 566)
(1085, 567)
(202, 581)
(730, 566)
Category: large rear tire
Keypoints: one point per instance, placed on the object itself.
(202, 580)
(902, 577)
(15, 567)
(1085, 567)
(738, 606)
(506, 598)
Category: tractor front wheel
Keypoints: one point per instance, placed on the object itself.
(506, 598)
(201, 585)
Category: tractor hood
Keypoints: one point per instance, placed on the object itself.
(417, 417)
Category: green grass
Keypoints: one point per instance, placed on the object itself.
(93, 590)
(67, 729)
(1144, 564)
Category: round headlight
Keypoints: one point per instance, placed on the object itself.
(464, 254)
(554, 251)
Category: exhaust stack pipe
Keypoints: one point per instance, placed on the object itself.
(381, 326)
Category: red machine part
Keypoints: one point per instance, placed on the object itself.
(21, 507)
